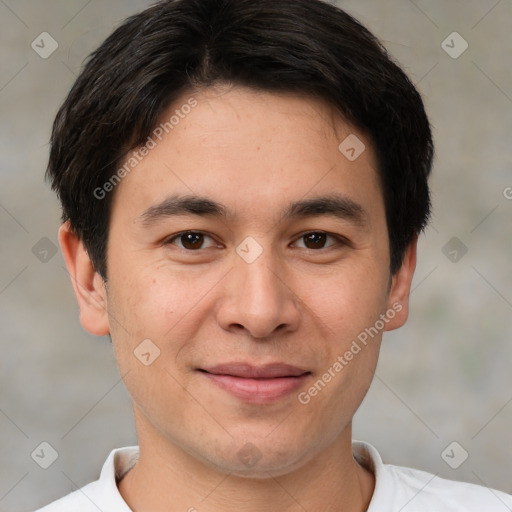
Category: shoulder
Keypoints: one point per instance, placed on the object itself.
(103, 493)
(410, 489)
(426, 491)
(81, 500)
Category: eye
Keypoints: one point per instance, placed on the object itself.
(317, 239)
(190, 240)
(194, 240)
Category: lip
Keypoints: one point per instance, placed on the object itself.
(257, 384)
(249, 371)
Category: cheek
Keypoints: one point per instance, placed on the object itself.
(162, 306)
(351, 301)
(348, 309)
(136, 307)
(148, 328)
(150, 303)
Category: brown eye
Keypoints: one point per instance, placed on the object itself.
(190, 240)
(317, 240)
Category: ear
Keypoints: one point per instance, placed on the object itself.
(398, 300)
(87, 283)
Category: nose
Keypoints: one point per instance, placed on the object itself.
(258, 297)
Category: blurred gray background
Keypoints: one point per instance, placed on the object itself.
(444, 377)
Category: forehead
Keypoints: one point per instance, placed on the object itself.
(250, 150)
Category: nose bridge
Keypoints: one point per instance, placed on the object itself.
(261, 289)
(258, 298)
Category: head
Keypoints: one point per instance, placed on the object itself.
(242, 182)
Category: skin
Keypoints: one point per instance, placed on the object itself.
(297, 303)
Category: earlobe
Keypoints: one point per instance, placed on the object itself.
(87, 283)
(398, 299)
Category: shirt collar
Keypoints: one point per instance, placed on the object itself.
(121, 460)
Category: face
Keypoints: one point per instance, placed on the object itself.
(253, 257)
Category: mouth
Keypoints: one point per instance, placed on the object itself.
(257, 384)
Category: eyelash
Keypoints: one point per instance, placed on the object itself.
(340, 240)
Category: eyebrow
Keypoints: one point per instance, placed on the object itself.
(335, 205)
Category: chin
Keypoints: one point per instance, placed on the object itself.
(260, 459)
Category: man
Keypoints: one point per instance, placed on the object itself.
(243, 185)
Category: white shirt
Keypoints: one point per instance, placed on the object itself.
(396, 488)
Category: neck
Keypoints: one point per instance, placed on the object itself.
(165, 475)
